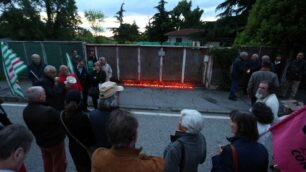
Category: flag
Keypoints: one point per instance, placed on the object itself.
(12, 66)
(69, 63)
(289, 142)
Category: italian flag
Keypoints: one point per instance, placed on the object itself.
(12, 66)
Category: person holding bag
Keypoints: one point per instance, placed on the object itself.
(243, 153)
(97, 76)
(77, 126)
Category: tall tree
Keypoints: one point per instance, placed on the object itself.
(62, 19)
(234, 7)
(278, 23)
(159, 24)
(125, 32)
(119, 15)
(95, 18)
(183, 16)
(20, 19)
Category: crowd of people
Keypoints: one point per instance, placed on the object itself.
(105, 138)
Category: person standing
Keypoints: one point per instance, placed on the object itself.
(108, 102)
(188, 147)
(266, 94)
(238, 70)
(84, 79)
(44, 123)
(91, 60)
(264, 74)
(64, 74)
(279, 67)
(36, 68)
(252, 65)
(54, 90)
(106, 68)
(75, 58)
(243, 153)
(295, 72)
(98, 76)
(78, 130)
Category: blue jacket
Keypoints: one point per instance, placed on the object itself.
(252, 157)
(238, 69)
(185, 153)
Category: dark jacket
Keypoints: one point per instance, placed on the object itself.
(79, 126)
(54, 93)
(98, 119)
(238, 69)
(38, 70)
(44, 122)
(97, 77)
(296, 70)
(84, 78)
(185, 152)
(252, 157)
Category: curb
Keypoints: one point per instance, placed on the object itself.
(135, 107)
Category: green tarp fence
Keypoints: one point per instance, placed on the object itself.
(51, 52)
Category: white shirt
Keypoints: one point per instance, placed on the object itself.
(108, 71)
(272, 102)
(263, 131)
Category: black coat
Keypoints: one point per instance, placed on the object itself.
(238, 69)
(84, 78)
(98, 119)
(38, 70)
(79, 126)
(252, 157)
(97, 77)
(296, 70)
(54, 93)
(44, 122)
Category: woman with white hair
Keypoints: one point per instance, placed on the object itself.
(188, 146)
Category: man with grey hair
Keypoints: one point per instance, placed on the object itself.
(54, 90)
(15, 144)
(35, 69)
(108, 102)
(238, 70)
(44, 122)
(106, 68)
(188, 146)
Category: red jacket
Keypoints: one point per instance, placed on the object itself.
(77, 86)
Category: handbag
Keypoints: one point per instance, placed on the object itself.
(89, 150)
(93, 91)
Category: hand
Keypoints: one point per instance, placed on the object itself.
(220, 148)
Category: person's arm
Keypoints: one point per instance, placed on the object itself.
(3, 117)
(110, 72)
(250, 85)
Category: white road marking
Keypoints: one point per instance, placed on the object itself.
(146, 113)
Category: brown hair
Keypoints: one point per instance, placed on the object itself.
(122, 128)
(246, 124)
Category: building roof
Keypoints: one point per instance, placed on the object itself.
(184, 32)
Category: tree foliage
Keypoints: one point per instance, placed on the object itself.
(95, 18)
(183, 16)
(21, 19)
(125, 32)
(159, 24)
(278, 23)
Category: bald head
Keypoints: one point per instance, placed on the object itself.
(36, 59)
(50, 71)
(36, 94)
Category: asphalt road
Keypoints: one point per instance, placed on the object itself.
(153, 135)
